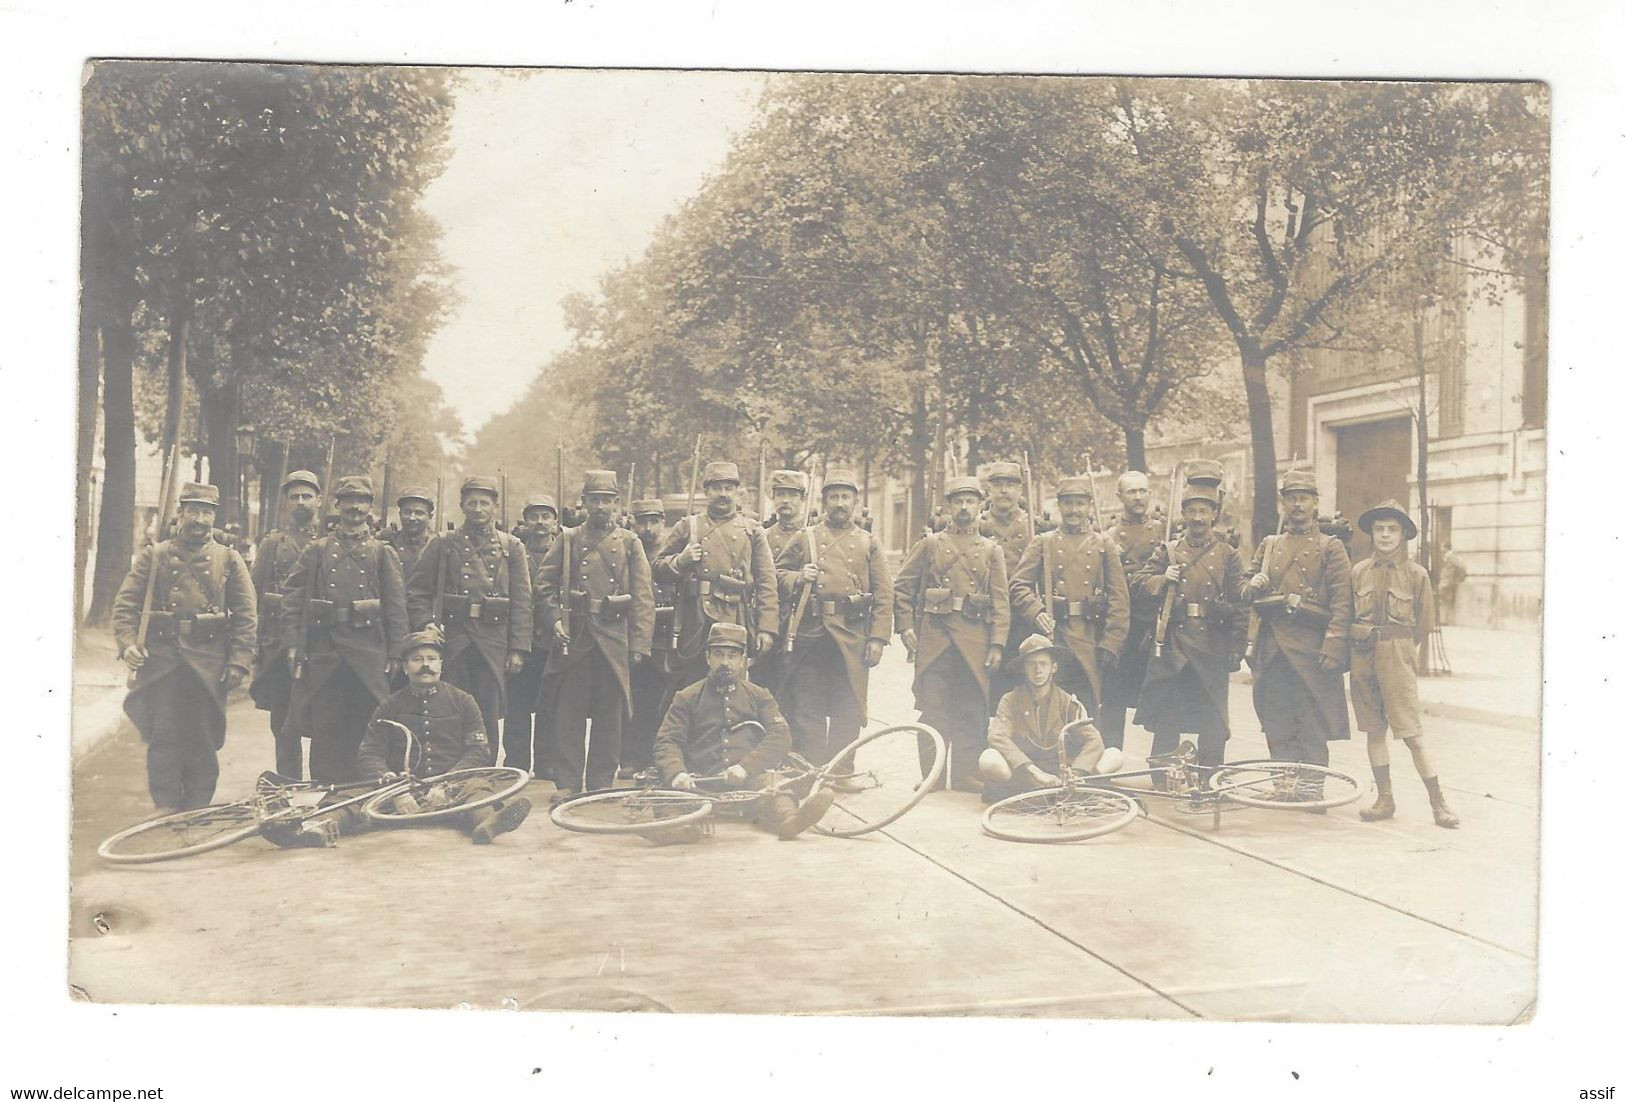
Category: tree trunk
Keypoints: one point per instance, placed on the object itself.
(115, 523)
(1423, 551)
(85, 450)
(1261, 422)
(1134, 448)
(919, 432)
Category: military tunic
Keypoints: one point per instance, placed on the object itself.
(768, 669)
(272, 686)
(1188, 688)
(649, 679)
(697, 735)
(1300, 705)
(447, 733)
(612, 611)
(525, 724)
(1090, 603)
(1135, 544)
(178, 702)
(408, 549)
(480, 632)
(1011, 536)
(735, 549)
(355, 629)
(954, 591)
(850, 605)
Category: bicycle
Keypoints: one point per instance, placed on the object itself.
(278, 799)
(1086, 806)
(877, 779)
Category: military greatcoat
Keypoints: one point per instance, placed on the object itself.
(603, 564)
(1206, 635)
(1090, 602)
(954, 591)
(851, 602)
(1313, 567)
(1135, 544)
(274, 563)
(734, 583)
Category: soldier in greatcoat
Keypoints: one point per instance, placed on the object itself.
(474, 584)
(343, 620)
(275, 560)
(416, 508)
(199, 646)
(1088, 610)
(1136, 538)
(723, 571)
(789, 490)
(524, 729)
(595, 598)
(649, 678)
(1299, 588)
(1393, 613)
(953, 596)
(848, 621)
(1187, 688)
(1006, 523)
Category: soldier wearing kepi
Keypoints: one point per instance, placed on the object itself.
(649, 678)
(275, 560)
(1136, 538)
(595, 597)
(1088, 606)
(953, 599)
(200, 642)
(847, 624)
(702, 734)
(724, 574)
(416, 507)
(474, 585)
(524, 739)
(1187, 689)
(1393, 613)
(343, 620)
(1299, 587)
(1006, 523)
(789, 489)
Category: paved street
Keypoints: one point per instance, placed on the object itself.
(1274, 915)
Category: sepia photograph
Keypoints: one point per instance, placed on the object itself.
(809, 543)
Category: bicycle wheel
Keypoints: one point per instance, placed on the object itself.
(881, 776)
(630, 810)
(1068, 814)
(446, 795)
(181, 834)
(1290, 785)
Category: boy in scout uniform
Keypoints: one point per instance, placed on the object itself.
(275, 560)
(1393, 613)
(447, 735)
(595, 600)
(954, 594)
(1024, 736)
(1005, 522)
(343, 620)
(723, 571)
(1187, 688)
(649, 678)
(1069, 584)
(1299, 589)
(1136, 537)
(701, 736)
(474, 585)
(199, 645)
(524, 739)
(416, 508)
(847, 624)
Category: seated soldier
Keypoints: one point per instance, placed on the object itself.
(1026, 730)
(447, 735)
(701, 734)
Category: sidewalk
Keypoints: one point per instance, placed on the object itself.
(1495, 678)
(98, 690)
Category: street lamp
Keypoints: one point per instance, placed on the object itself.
(244, 437)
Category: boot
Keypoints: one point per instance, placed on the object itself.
(405, 804)
(811, 810)
(1384, 807)
(1442, 815)
(501, 819)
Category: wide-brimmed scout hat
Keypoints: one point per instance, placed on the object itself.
(1388, 510)
(1034, 644)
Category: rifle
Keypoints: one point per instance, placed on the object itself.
(502, 500)
(438, 609)
(1027, 477)
(806, 587)
(166, 491)
(693, 523)
(1166, 614)
(1094, 498)
(327, 486)
(566, 580)
(276, 491)
(384, 497)
(1254, 620)
(558, 482)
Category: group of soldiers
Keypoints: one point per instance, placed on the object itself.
(587, 651)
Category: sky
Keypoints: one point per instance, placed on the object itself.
(555, 177)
